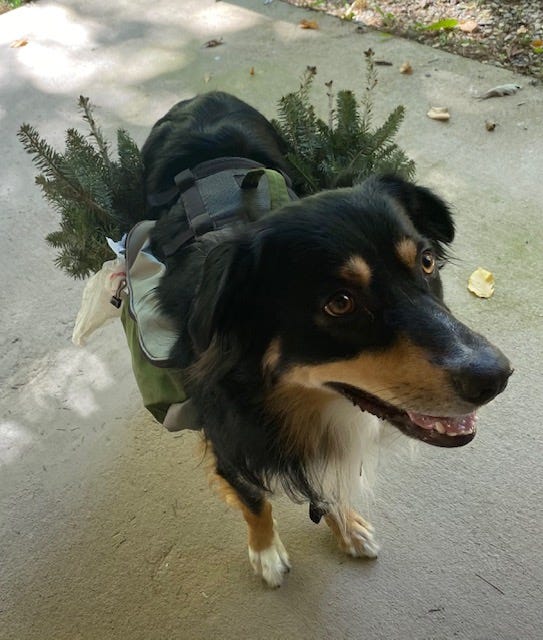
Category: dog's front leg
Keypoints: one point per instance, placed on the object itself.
(267, 554)
(354, 535)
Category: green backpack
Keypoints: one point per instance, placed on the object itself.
(213, 195)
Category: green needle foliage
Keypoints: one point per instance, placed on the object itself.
(345, 150)
(95, 194)
(91, 192)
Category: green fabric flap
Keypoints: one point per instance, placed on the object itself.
(159, 387)
(279, 195)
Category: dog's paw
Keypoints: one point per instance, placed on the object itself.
(359, 538)
(355, 536)
(271, 563)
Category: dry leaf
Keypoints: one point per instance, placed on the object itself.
(537, 43)
(499, 91)
(490, 125)
(481, 283)
(308, 24)
(469, 26)
(521, 30)
(207, 78)
(213, 43)
(252, 71)
(19, 43)
(406, 68)
(439, 113)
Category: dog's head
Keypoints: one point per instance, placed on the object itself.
(341, 292)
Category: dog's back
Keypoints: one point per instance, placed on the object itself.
(212, 125)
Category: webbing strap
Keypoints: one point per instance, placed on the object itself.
(184, 179)
(216, 192)
(195, 209)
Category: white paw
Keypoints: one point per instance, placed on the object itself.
(360, 538)
(271, 563)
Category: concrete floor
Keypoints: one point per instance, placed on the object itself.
(107, 527)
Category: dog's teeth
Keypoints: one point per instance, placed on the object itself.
(440, 428)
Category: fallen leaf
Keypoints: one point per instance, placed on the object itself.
(207, 78)
(19, 43)
(521, 30)
(446, 24)
(406, 68)
(481, 283)
(499, 91)
(490, 125)
(252, 71)
(213, 43)
(469, 26)
(308, 24)
(439, 113)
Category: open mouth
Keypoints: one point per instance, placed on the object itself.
(451, 431)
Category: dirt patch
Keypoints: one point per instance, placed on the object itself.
(504, 34)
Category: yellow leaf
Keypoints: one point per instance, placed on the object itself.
(481, 283)
(19, 43)
(309, 24)
(439, 113)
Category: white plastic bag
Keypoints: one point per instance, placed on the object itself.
(96, 308)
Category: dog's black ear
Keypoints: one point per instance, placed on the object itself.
(428, 212)
(223, 301)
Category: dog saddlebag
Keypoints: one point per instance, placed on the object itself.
(149, 333)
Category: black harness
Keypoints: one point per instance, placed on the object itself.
(215, 193)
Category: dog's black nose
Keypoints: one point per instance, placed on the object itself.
(483, 378)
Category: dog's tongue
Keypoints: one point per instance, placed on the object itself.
(452, 426)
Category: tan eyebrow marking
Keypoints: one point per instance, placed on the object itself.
(357, 270)
(407, 252)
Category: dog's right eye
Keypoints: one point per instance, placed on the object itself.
(428, 262)
(340, 304)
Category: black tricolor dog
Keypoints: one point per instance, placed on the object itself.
(302, 334)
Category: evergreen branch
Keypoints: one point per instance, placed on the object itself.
(389, 128)
(43, 155)
(331, 110)
(304, 170)
(92, 194)
(371, 83)
(345, 150)
(85, 106)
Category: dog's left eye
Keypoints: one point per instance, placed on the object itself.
(428, 262)
(340, 304)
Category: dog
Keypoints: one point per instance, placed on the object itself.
(302, 334)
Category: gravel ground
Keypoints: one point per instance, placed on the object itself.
(505, 33)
